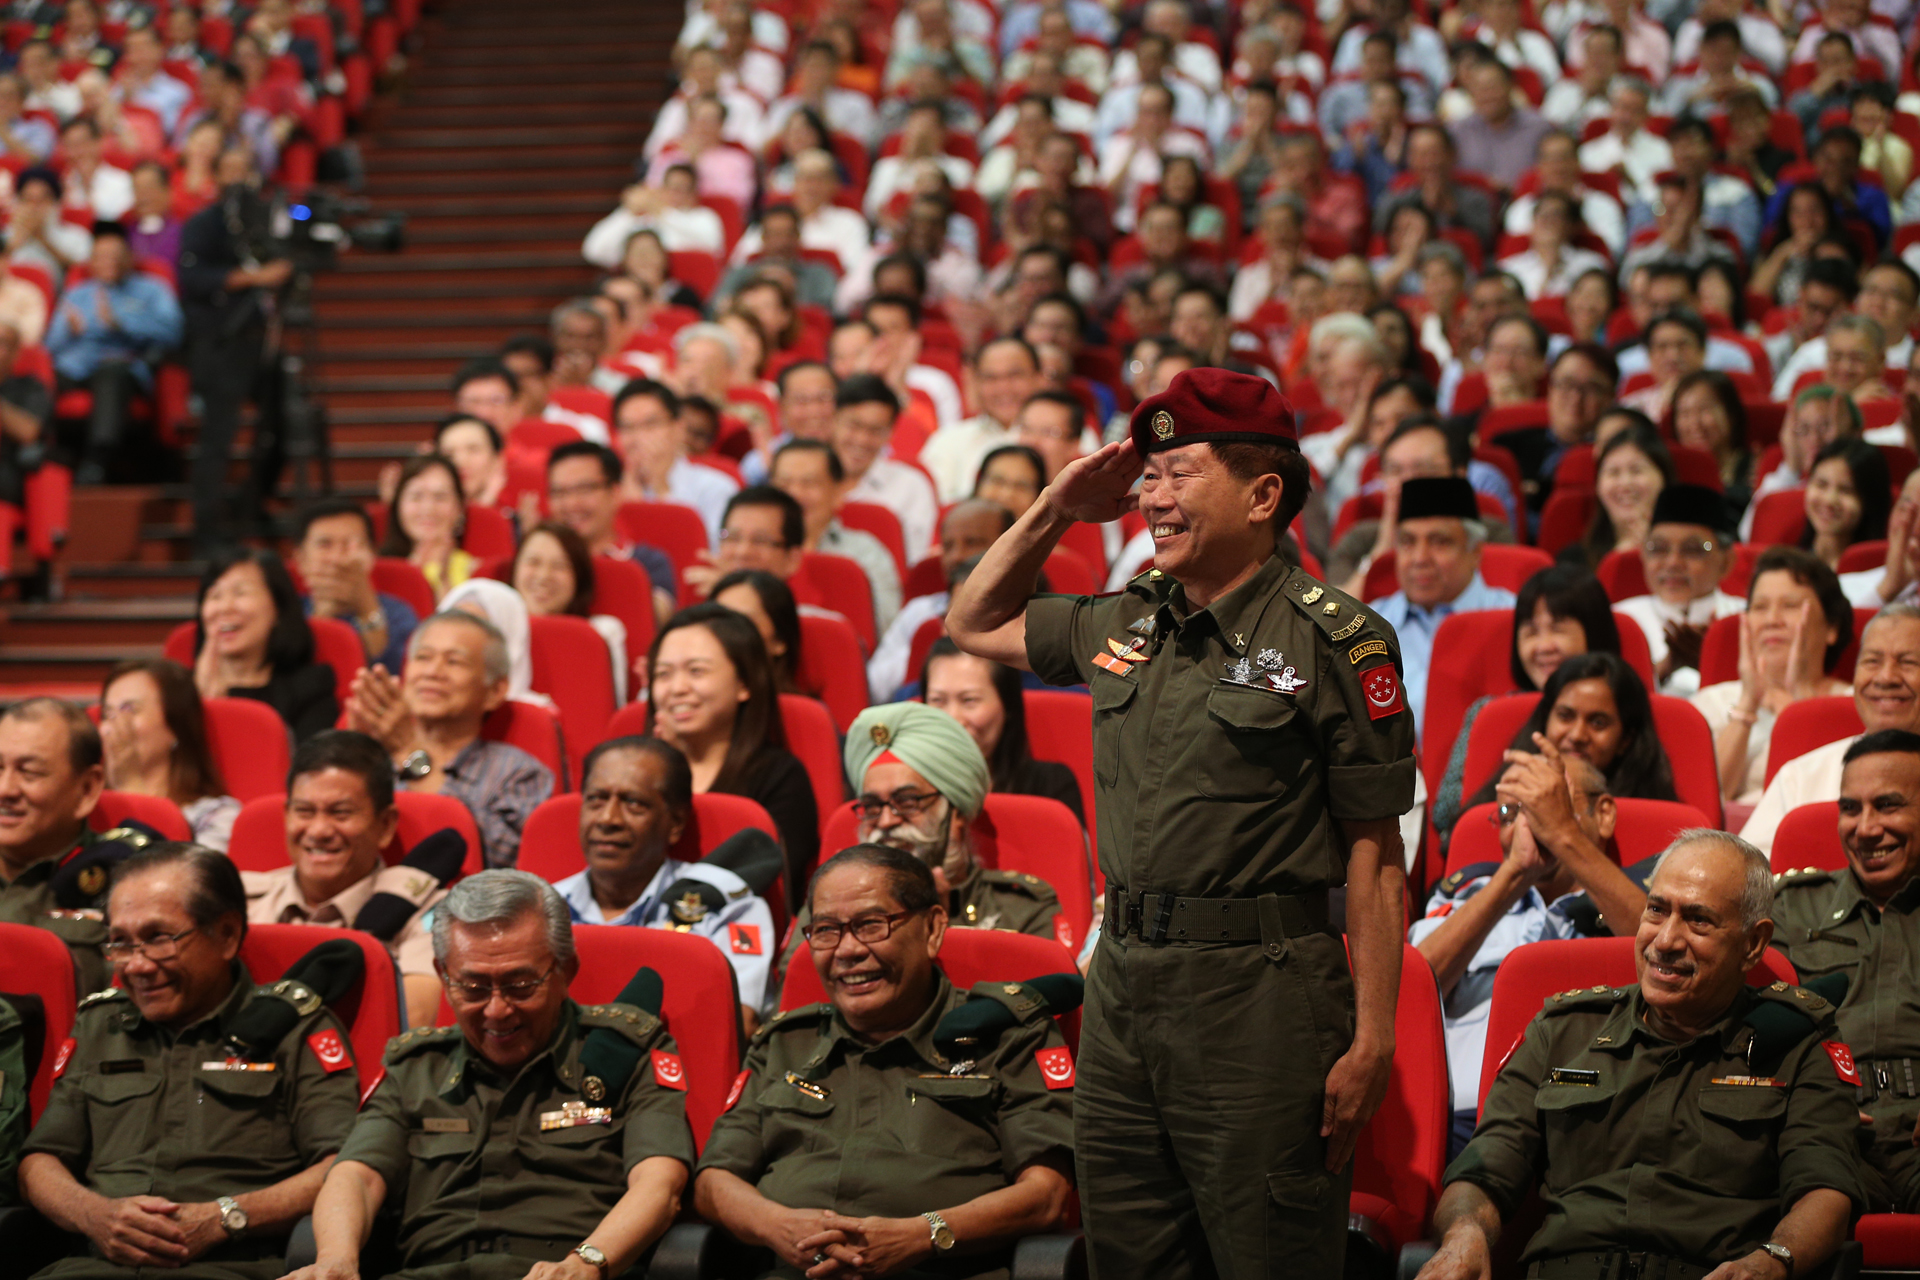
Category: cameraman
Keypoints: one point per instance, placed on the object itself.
(230, 271)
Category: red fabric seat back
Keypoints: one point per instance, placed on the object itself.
(1060, 728)
(158, 812)
(36, 963)
(372, 1012)
(571, 665)
(1810, 723)
(251, 746)
(830, 662)
(260, 831)
(1809, 836)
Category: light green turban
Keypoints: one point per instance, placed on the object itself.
(930, 742)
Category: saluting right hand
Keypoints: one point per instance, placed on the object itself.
(1098, 487)
(139, 1231)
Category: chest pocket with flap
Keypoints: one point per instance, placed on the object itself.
(1112, 698)
(1250, 739)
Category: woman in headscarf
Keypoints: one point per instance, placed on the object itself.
(501, 605)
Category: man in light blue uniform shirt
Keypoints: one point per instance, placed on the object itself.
(1436, 552)
(636, 795)
(1555, 881)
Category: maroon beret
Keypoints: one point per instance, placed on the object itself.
(1214, 406)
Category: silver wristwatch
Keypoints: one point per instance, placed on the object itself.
(593, 1258)
(233, 1219)
(1780, 1254)
(943, 1240)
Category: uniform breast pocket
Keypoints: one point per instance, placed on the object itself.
(1825, 955)
(795, 1120)
(435, 1148)
(1741, 1129)
(1251, 743)
(239, 1107)
(954, 1116)
(1112, 699)
(1566, 1110)
(121, 1115)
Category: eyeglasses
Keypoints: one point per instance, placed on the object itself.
(734, 538)
(868, 929)
(578, 490)
(907, 804)
(1685, 548)
(164, 946)
(517, 992)
(1580, 387)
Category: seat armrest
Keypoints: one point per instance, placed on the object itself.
(1415, 1256)
(1053, 1256)
(301, 1249)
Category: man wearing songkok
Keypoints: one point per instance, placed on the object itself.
(1689, 549)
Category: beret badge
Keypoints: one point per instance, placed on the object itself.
(1162, 425)
(881, 735)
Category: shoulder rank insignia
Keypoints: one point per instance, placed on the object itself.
(1330, 608)
(689, 910)
(1313, 596)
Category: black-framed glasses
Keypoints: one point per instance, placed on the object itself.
(826, 935)
(163, 946)
(907, 804)
(519, 991)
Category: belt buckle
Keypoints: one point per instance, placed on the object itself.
(1162, 918)
(1130, 914)
(1633, 1266)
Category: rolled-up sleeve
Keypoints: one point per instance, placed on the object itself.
(1818, 1142)
(1035, 1122)
(736, 1144)
(325, 1102)
(656, 1116)
(1368, 750)
(379, 1138)
(1505, 1153)
(1058, 628)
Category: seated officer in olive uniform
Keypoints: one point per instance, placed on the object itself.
(52, 770)
(535, 1138)
(1693, 1119)
(178, 1137)
(1864, 922)
(13, 1100)
(636, 795)
(339, 816)
(886, 1130)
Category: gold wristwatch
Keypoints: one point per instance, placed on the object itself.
(943, 1240)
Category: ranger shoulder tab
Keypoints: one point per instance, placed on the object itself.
(106, 996)
(1782, 1016)
(1336, 613)
(1584, 998)
(806, 1015)
(411, 1042)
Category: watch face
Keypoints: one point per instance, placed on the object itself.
(943, 1238)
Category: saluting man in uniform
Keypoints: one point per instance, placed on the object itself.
(1252, 750)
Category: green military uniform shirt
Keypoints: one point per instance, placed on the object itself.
(1223, 751)
(825, 1120)
(471, 1155)
(141, 1110)
(1825, 924)
(28, 899)
(14, 1086)
(1691, 1150)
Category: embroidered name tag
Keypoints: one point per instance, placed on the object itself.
(448, 1124)
(1573, 1075)
(572, 1115)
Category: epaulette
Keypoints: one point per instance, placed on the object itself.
(1335, 612)
(1584, 998)
(789, 1019)
(1783, 1015)
(1803, 877)
(304, 999)
(1019, 881)
(1461, 878)
(992, 1007)
(410, 1042)
(104, 997)
(635, 1024)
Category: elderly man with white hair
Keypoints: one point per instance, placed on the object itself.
(823, 224)
(1349, 360)
(1436, 550)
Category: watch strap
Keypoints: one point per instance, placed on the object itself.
(593, 1258)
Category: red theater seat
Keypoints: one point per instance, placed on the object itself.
(373, 1012)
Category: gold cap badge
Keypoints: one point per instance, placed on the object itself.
(881, 735)
(1162, 425)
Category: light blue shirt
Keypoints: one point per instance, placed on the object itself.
(704, 489)
(145, 315)
(742, 930)
(1416, 627)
